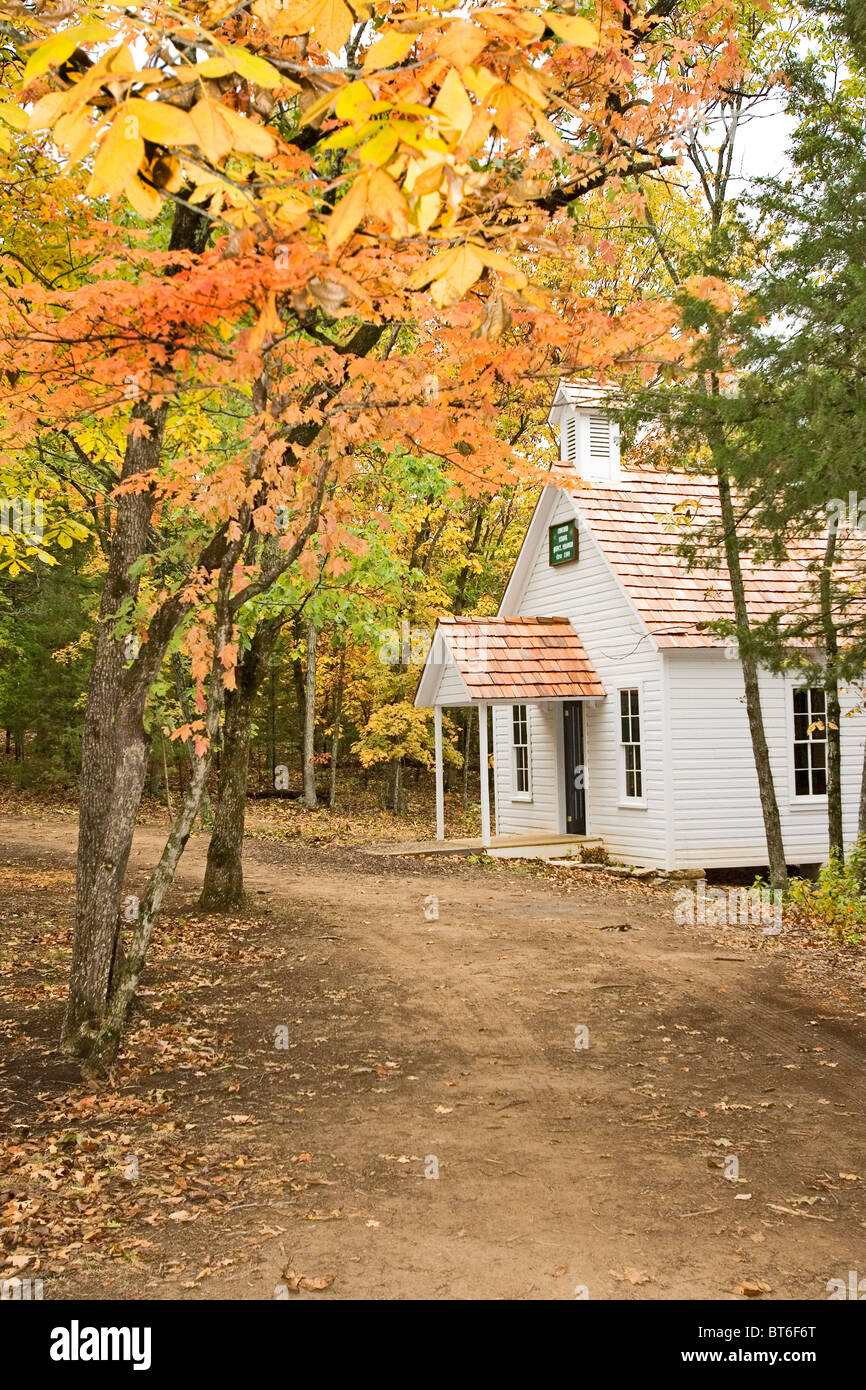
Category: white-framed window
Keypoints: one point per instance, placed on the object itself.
(810, 741)
(521, 786)
(631, 755)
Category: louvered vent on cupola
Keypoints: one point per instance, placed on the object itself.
(599, 438)
(588, 436)
(569, 438)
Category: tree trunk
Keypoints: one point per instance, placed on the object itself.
(183, 701)
(769, 804)
(114, 751)
(310, 721)
(272, 727)
(125, 978)
(114, 755)
(335, 736)
(223, 889)
(834, 713)
(126, 966)
(398, 801)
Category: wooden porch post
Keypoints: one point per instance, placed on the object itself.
(485, 775)
(440, 781)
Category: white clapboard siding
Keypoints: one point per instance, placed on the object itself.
(716, 805)
(623, 655)
(451, 689)
(544, 811)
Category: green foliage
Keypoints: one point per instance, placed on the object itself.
(836, 901)
(45, 650)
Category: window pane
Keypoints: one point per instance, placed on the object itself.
(801, 702)
(819, 754)
(801, 782)
(801, 727)
(521, 756)
(801, 756)
(819, 782)
(623, 702)
(519, 722)
(819, 703)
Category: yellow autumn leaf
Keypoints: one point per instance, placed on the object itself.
(451, 273)
(387, 203)
(579, 32)
(391, 48)
(118, 160)
(460, 276)
(75, 133)
(461, 44)
(213, 132)
(160, 122)
(425, 211)
(211, 67)
(481, 82)
(453, 103)
(55, 51)
(14, 116)
(292, 209)
(432, 270)
(380, 149)
(496, 261)
(47, 109)
(254, 68)
(144, 199)
(372, 193)
(523, 81)
(424, 175)
(247, 137)
(354, 103)
(330, 20)
(347, 215)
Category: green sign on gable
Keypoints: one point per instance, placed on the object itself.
(562, 540)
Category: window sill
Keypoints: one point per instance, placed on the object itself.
(521, 796)
(632, 804)
(808, 803)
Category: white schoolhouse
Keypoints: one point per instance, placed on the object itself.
(616, 717)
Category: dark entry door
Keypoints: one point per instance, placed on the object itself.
(575, 768)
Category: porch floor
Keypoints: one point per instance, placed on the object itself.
(536, 845)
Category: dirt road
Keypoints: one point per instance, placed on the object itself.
(642, 1113)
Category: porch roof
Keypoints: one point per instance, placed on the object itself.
(512, 659)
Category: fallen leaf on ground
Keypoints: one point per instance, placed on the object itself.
(632, 1276)
(295, 1282)
(753, 1288)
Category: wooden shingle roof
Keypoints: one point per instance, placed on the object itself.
(638, 523)
(520, 658)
